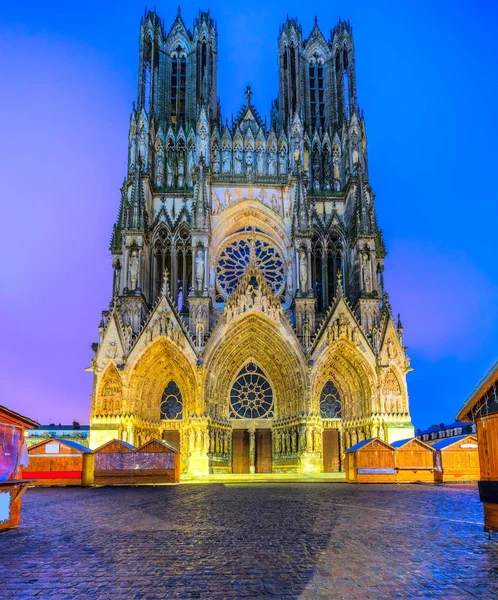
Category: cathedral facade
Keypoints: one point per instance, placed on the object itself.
(249, 324)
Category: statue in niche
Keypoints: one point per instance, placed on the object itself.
(277, 443)
(249, 161)
(367, 277)
(303, 272)
(199, 270)
(272, 164)
(199, 333)
(228, 198)
(133, 270)
(287, 442)
(226, 161)
(216, 204)
(316, 172)
(170, 169)
(306, 335)
(274, 203)
(181, 168)
(238, 162)
(215, 161)
(159, 169)
(191, 161)
(309, 439)
(142, 143)
(260, 162)
(294, 441)
(282, 162)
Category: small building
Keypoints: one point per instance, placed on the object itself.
(114, 463)
(457, 460)
(12, 457)
(59, 462)
(75, 432)
(414, 461)
(370, 461)
(482, 407)
(157, 462)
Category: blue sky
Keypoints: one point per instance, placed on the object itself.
(427, 81)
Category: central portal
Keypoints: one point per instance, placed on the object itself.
(255, 452)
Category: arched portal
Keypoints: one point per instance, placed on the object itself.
(255, 375)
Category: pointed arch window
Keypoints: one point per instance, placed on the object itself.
(330, 402)
(171, 403)
(251, 396)
(317, 91)
(178, 85)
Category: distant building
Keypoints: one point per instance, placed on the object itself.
(75, 432)
(439, 432)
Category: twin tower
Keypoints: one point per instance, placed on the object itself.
(249, 323)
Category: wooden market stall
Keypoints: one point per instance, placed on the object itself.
(59, 462)
(157, 462)
(370, 461)
(120, 463)
(414, 461)
(13, 455)
(457, 459)
(482, 408)
(114, 463)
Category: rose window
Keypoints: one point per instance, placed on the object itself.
(171, 402)
(330, 402)
(251, 396)
(235, 257)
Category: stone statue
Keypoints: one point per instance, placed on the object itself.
(309, 439)
(303, 272)
(169, 170)
(238, 162)
(181, 169)
(260, 163)
(159, 170)
(249, 162)
(272, 164)
(294, 441)
(282, 162)
(133, 270)
(226, 161)
(199, 270)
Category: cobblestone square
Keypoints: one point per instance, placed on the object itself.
(306, 541)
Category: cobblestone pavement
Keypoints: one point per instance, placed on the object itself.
(306, 541)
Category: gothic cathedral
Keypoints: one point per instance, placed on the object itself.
(249, 324)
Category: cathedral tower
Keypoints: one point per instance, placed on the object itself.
(249, 324)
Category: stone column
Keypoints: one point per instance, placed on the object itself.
(252, 449)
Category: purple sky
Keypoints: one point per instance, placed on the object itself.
(427, 83)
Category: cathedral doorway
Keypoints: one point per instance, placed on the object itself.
(240, 451)
(331, 451)
(263, 450)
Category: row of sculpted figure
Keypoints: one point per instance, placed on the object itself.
(220, 442)
(297, 439)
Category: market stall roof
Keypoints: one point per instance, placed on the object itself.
(446, 443)
(364, 443)
(401, 443)
(13, 418)
(466, 412)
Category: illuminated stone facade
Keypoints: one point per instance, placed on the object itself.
(249, 313)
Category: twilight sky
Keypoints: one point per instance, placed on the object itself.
(427, 81)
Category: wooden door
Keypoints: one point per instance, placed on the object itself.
(263, 451)
(172, 438)
(331, 451)
(240, 451)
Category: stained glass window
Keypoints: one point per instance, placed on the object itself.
(330, 402)
(251, 396)
(171, 402)
(235, 257)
